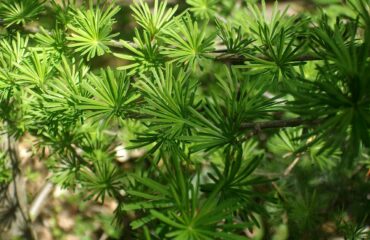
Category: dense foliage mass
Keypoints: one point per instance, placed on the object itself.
(249, 121)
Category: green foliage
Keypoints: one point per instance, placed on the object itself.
(342, 104)
(35, 70)
(350, 230)
(153, 22)
(112, 94)
(183, 215)
(51, 40)
(168, 99)
(233, 38)
(203, 8)
(187, 43)
(102, 179)
(14, 12)
(145, 55)
(13, 52)
(65, 89)
(91, 30)
(217, 118)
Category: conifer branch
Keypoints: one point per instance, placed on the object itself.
(158, 100)
(220, 54)
(295, 122)
(239, 59)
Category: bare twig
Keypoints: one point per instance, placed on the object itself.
(221, 55)
(40, 200)
(291, 166)
(279, 123)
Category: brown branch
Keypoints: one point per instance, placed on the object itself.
(295, 122)
(233, 59)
